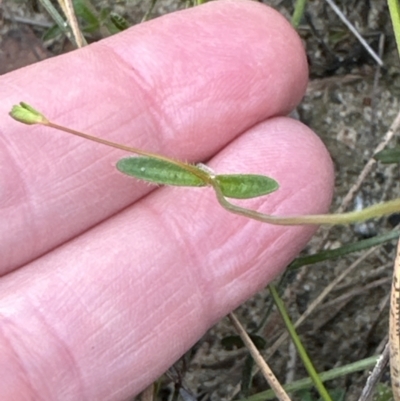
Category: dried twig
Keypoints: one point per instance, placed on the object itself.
(394, 328)
(354, 31)
(69, 12)
(375, 375)
(259, 360)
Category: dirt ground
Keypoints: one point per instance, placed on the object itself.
(350, 103)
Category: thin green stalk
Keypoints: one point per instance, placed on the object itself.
(374, 211)
(299, 346)
(58, 19)
(343, 250)
(306, 383)
(203, 175)
(394, 9)
(149, 10)
(330, 255)
(298, 12)
(26, 114)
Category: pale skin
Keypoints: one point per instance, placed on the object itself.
(107, 281)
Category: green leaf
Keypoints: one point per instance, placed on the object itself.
(158, 171)
(119, 22)
(245, 186)
(239, 186)
(388, 156)
(24, 113)
(51, 33)
(87, 13)
(344, 250)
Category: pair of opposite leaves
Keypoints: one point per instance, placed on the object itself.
(238, 186)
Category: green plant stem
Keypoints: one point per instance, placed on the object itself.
(374, 211)
(149, 10)
(343, 250)
(394, 9)
(58, 19)
(204, 176)
(306, 383)
(299, 346)
(298, 12)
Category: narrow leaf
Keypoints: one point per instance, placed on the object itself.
(87, 13)
(119, 22)
(158, 171)
(245, 186)
(388, 156)
(52, 33)
(344, 250)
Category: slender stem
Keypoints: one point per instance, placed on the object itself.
(298, 12)
(299, 345)
(149, 10)
(306, 383)
(378, 210)
(394, 9)
(58, 19)
(203, 175)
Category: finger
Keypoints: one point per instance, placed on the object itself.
(106, 314)
(183, 85)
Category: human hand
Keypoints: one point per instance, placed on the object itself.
(106, 280)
